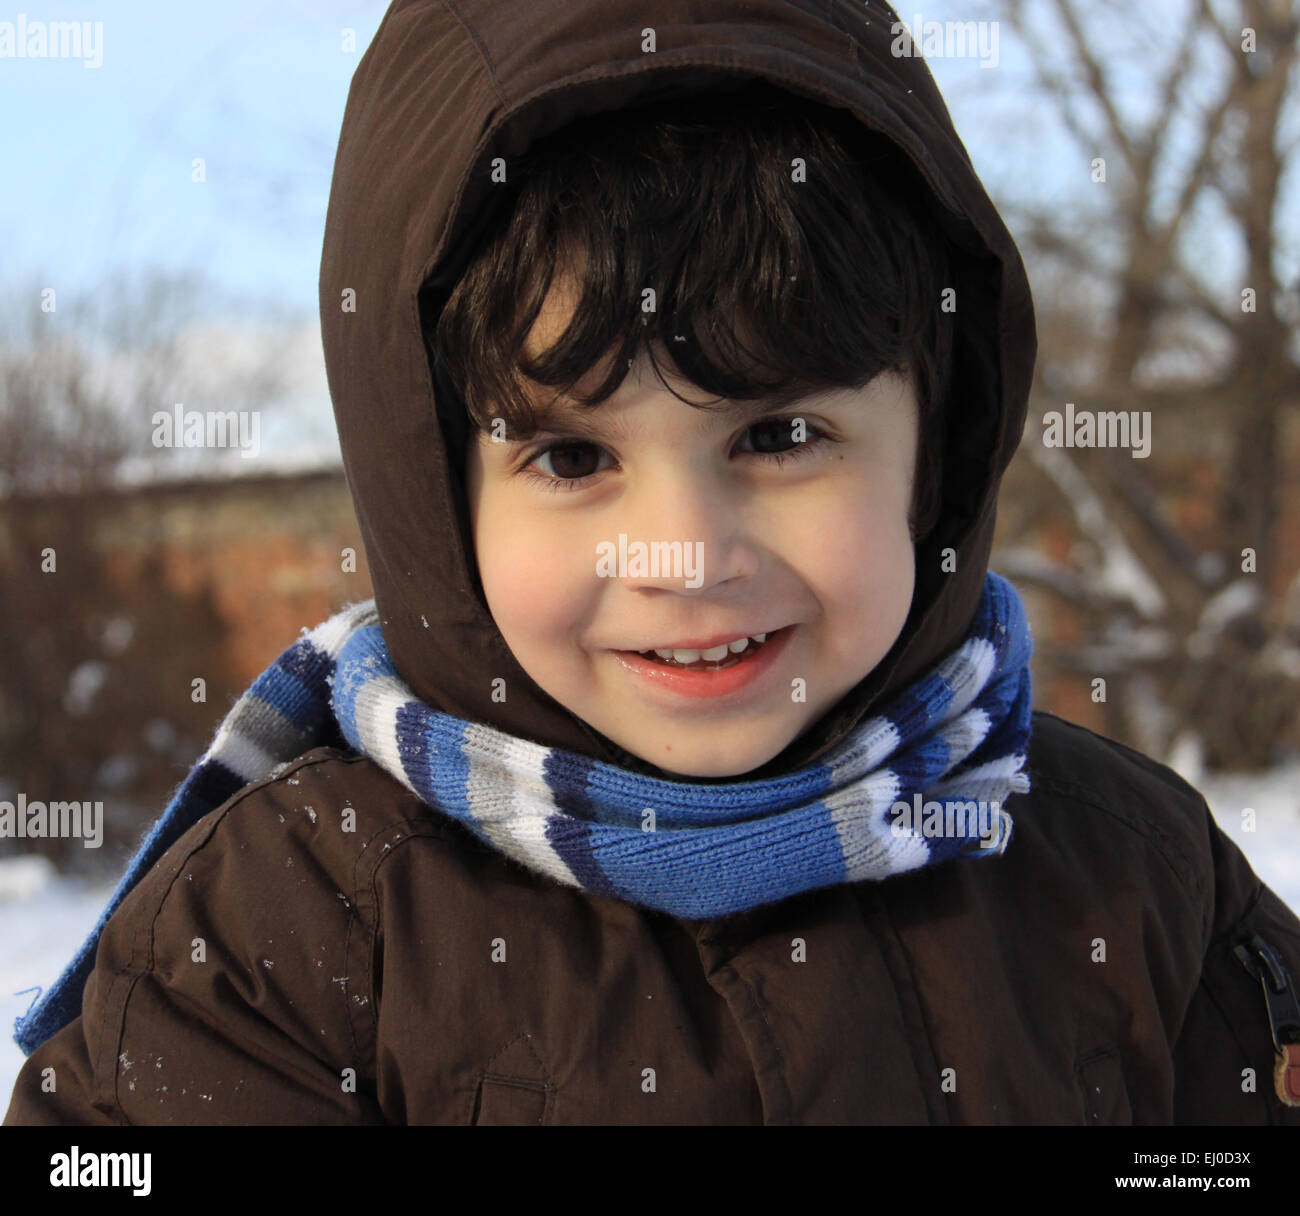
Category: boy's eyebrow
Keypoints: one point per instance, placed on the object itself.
(565, 421)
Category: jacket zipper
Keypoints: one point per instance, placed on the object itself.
(1264, 963)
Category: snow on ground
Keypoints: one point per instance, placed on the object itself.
(1273, 846)
(44, 918)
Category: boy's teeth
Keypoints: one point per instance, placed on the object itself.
(714, 654)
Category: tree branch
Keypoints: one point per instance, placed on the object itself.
(1100, 90)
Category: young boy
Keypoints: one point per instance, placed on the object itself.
(685, 770)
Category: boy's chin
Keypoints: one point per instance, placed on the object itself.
(700, 763)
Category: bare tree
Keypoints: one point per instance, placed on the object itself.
(1193, 616)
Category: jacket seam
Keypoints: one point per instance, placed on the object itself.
(1243, 1054)
(479, 46)
(1112, 1051)
(1150, 768)
(414, 828)
(757, 1002)
(120, 978)
(879, 908)
(1238, 929)
(1154, 768)
(1180, 865)
(546, 1086)
(345, 988)
(235, 800)
(1234, 929)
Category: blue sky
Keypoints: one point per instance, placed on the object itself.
(97, 166)
(98, 169)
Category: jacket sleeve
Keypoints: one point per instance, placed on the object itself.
(1227, 1068)
(230, 986)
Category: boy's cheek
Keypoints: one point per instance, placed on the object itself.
(868, 552)
(866, 579)
(535, 586)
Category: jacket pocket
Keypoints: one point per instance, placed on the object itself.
(510, 1101)
(1105, 1091)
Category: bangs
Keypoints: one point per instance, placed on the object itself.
(767, 246)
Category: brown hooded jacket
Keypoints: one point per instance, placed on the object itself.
(406, 972)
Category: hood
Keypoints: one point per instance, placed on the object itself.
(442, 89)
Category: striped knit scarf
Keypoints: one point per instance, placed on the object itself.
(920, 783)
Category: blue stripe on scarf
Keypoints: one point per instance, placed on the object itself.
(693, 804)
(443, 745)
(569, 832)
(776, 858)
(293, 685)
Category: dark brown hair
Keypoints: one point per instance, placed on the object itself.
(781, 287)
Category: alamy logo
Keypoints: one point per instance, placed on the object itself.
(184, 428)
(658, 559)
(75, 1168)
(23, 39)
(952, 819)
(1090, 429)
(946, 40)
(25, 820)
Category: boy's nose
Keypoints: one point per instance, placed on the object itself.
(702, 538)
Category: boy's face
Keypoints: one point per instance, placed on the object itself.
(818, 543)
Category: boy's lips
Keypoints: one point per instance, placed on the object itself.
(742, 671)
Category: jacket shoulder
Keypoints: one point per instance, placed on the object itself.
(1119, 790)
(1225, 1054)
(235, 981)
(337, 805)
(1071, 757)
(311, 832)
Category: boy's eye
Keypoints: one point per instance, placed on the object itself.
(778, 431)
(574, 462)
(571, 460)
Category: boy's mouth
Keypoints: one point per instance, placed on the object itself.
(724, 677)
(716, 658)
